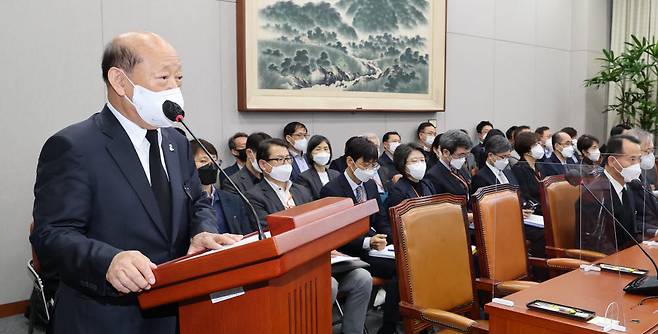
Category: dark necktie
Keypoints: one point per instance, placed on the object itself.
(360, 194)
(159, 181)
(629, 214)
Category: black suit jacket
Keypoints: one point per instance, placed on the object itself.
(311, 180)
(646, 206)
(553, 166)
(528, 182)
(235, 213)
(597, 226)
(265, 200)
(92, 201)
(480, 156)
(339, 164)
(243, 179)
(404, 189)
(386, 163)
(444, 181)
(485, 177)
(340, 187)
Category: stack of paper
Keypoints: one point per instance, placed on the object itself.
(387, 253)
(534, 221)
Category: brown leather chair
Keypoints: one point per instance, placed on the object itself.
(434, 266)
(558, 201)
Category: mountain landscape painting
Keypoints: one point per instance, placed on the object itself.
(345, 46)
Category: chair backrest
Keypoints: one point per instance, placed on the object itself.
(432, 252)
(498, 220)
(558, 201)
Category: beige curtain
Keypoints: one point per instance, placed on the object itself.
(630, 17)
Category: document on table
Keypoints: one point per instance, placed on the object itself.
(244, 241)
(388, 252)
(342, 258)
(534, 221)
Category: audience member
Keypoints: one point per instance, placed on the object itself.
(447, 176)
(250, 175)
(318, 156)
(296, 135)
(545, 140)
(391, 141)
(498, 151)
(648, 162)
(410, 163)
(588, 146)
(563, 150)
(237, 145)
(482, 130)
(619, 129)
(514, 157)
(425, 134)
(340, 163)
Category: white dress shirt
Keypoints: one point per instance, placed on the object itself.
(299, 159)
(283, 193)
(137, 136)
(616, 185)
(354, 185)
(324, 177)
(502, 179)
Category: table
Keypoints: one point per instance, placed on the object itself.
(592, 291)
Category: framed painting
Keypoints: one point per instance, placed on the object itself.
(341, 55)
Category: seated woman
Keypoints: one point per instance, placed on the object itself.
(410, 162)
(318, 154)
(528, 173)
(588, 146)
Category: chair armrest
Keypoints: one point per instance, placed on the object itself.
(451, 320)
(485, 284)
(584, 254)
(564, 264)
(537, 262)
(510, 287)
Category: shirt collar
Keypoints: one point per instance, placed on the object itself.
(353, 185)
(293, 153)
(276, 187)
(618, 187)
(493, 169)
(136, 133)
(445, 164)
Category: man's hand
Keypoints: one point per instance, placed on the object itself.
(205, 240)
(131, 271)
(527, 212)
(378, 241)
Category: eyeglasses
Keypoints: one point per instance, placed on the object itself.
(281, 160)
(415, 161)
(373, 165)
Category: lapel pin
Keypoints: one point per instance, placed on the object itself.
(171, 147)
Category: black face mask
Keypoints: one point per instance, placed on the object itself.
(208, 174)
(242, 155)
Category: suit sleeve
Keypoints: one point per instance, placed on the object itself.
(477, 183)
(354, 247)
(202, 217)
(258, 202)
(227, 186)
(62, 215)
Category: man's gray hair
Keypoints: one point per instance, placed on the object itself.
(453, 139)
(497, 145)
(642, 135)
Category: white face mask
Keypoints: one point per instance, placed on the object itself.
(537, 152)
(549, 144)
(594, 155)
(417, 170)
(429, 140)
(629, 173)
(281, 173)
(574, 141)
(148, 104)
(648, 161)
(458, 163)
(364, 175)
(567, 152)
(501, 164)
(300, 144)
(392, 146)
(255, 165)
(321, 158)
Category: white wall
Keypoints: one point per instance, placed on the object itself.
(509, 61)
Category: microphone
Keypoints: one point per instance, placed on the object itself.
(646, 285)
(176, 114)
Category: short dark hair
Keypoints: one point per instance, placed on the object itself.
(117, 54)
(615, 145)
(497, 144)
(481, 126)
(291, 127)
(555, 139)
(254, 140)
(349, 141)
(540, 130)
(493, 133)
(524, 142)
(453, 139)
(361, 148)
(231, 141)
(401, 155)
(585, 142)
(388, 135)
(618, 129)
(519, 129)
(437, 141)
(313, 143)
(509, 134)
(263, 152)
(573, 133)
(195, 147)
(422, 127)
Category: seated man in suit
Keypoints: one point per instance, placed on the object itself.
(277, 193)
(231, 212)
(296, 135)
(573, 133)
(544, 133)
(563, 151)
(382, 177)
(250, 175)
(357, 183)
(319, 154)
(425, 134)
(496, 171)
(478, 150)
(599, 232)
(339, 163)
(448, 176)
(391, 141)
(237, 145)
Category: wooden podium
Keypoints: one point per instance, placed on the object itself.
(285, 278)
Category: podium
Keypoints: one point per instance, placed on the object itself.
(285, 278)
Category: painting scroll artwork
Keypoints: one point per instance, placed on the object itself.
(342, 54)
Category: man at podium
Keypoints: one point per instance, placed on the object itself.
(117, 194)
(275, 193)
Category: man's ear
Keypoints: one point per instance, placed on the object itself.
(118, 82)
(262, 165)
